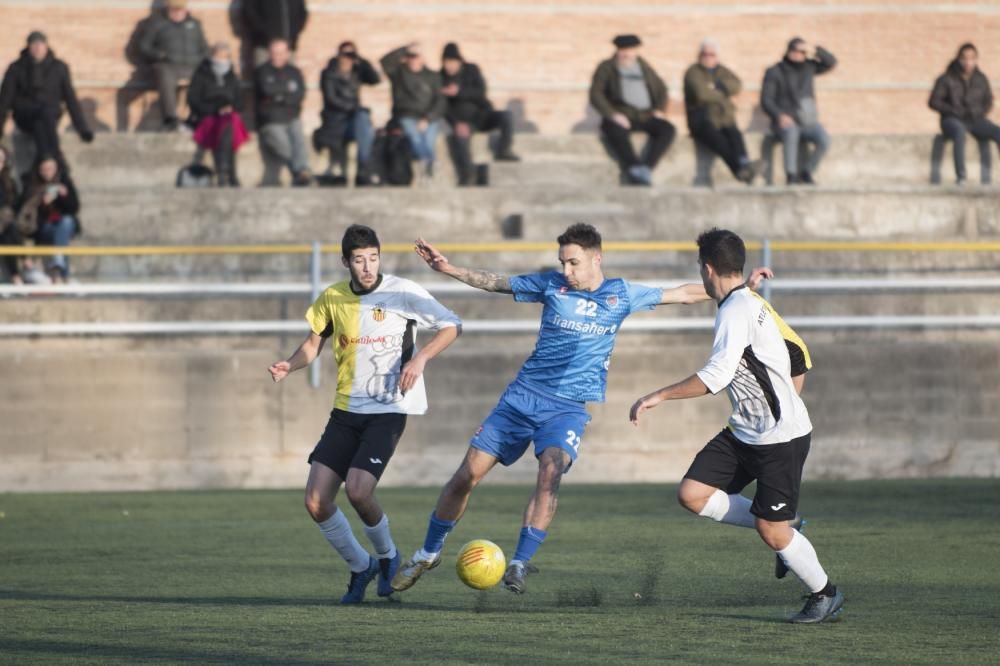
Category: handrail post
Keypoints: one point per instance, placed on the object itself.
(315, 279)
(765, 259)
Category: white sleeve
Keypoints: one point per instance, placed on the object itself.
(426, 310)
(732, 337)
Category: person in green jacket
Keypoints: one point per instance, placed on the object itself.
(709, 89)
(631, 97)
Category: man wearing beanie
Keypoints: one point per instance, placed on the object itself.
(470, 111)
(788, 97)
(631, 97)
(175, 45)
(35, 88)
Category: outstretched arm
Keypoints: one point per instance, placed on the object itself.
(692, 387)
(484, 280)
(303, 356)
(690, 293)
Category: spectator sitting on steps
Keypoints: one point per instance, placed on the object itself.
(788, 97)
(469, 111)
(344, 119)
(174, 44)
(709, 89)
(10, 232)
(215, 101)
(49, 212)
(35, 88)
(417, 102)
(280, 89)
(963, 97)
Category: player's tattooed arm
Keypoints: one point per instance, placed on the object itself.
(485, 280)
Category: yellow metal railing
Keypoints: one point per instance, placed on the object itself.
(509, 246)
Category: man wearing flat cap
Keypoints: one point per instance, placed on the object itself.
(35, 88)
(631, 97)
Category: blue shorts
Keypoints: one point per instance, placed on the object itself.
(525, 415)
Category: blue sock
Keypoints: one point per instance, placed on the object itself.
(528, 543)
(437, 532)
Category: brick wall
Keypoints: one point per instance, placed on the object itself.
(540, 56)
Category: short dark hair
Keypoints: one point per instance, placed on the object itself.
(358, 237)
(584, 235)
(968, 46)
(723, 250)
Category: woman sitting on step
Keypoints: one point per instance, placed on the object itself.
(215, 101)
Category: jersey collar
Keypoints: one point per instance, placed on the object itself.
(731, 292)
(365, 292)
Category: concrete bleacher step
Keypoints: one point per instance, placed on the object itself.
(151, 160)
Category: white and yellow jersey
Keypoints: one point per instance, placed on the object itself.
(373, 335)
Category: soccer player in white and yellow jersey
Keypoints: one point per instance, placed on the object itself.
(371, 320)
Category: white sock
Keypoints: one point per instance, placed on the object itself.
(800, 556)
(729, 509)
(423, 556)
(379, 535)
(338, 532)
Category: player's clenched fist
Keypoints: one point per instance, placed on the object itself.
(280, 370)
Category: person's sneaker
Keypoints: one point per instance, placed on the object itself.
(960, 182)
(514, 579)
(792, 179)
(302, 179)
(806, 178)
(640, 175)
(387, 569)
(507, 157)
(819, 608)
(411, 571)
(780, 568)
(359, 581)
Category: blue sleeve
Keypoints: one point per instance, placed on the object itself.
(641, 297)
(530, 288)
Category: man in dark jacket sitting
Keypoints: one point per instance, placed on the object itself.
(788, 97)
(280, 89)
(344, 119)
(268, 20)
(470, 111)
(963, 97)
(417, 102)
(35, 88)
(175, 44)
(631, 97)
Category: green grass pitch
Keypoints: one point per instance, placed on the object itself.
(626, 577)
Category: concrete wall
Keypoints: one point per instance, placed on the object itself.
(117, 415)
(538, 57)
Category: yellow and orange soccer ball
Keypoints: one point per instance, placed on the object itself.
(481, 564)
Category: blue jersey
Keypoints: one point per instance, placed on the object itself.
(578, 332)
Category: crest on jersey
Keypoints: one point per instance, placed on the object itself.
(612, 301)
(563, 290)
(378, 312)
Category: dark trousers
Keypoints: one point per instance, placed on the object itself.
(726, 142)
(225, 158)
(41, 125)
(661, 134)
(461, 151)
(168, 77)
(955, 130)
(10, 235)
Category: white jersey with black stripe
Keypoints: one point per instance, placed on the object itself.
(750, 361)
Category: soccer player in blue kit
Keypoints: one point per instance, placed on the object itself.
(546, 403)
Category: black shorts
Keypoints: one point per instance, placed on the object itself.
(730, 465)
(363, 441)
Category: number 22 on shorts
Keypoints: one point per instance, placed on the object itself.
(573, 440)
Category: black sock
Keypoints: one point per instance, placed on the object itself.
(829, 591)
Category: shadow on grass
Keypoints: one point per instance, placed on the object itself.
(133, 653)
(17, 595)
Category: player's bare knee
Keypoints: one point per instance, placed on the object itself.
(358, 493)
(550, 472)
(318, 507)
(690, 500)
(464, 481)
(776, 535)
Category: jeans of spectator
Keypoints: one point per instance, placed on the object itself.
(286, 143)
(955, 130)
(59, 234)
(40, 124)
(422, 143)
(461, 150)
(353, 126)
(726, 142)
(661, 134)
(168, 77)
(790, 139)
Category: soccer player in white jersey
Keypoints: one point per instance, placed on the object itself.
(546, 404)
(769, 431)
(371, 319)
